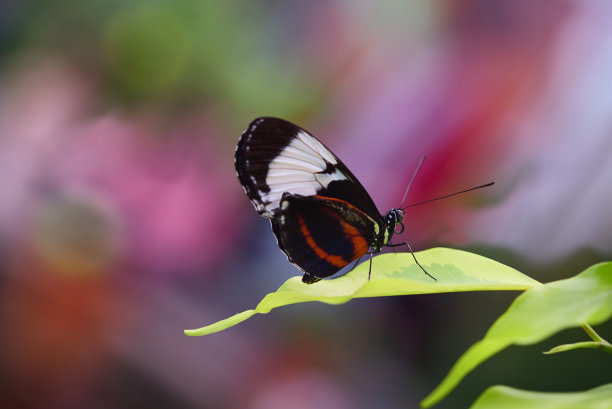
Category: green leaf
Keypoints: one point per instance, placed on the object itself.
(535, 315)
(503, 397)
(604, 346)
(392, 274)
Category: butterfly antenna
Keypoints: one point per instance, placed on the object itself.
(412, 179)
(452, 194)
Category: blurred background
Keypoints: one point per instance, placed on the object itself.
(122, 221)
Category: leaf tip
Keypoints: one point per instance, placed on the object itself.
(220, 325)
(197, 332)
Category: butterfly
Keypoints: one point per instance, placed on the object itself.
(321, 215)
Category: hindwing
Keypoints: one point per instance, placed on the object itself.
(321, 235)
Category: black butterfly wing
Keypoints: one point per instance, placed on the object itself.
(274, 157)
(321, 235)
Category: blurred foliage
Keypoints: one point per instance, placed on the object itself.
(503, 397)
(174, 53)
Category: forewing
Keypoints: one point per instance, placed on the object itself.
(322, 235)
(274, 157)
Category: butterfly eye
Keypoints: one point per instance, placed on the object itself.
(400, 230)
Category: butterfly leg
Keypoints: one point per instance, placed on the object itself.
(357, 262)
(413, 256)
(359, 259)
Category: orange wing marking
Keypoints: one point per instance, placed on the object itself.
(333, 260)
(351, 232)
(358, 242)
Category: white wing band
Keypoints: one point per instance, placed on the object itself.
(299, 169)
